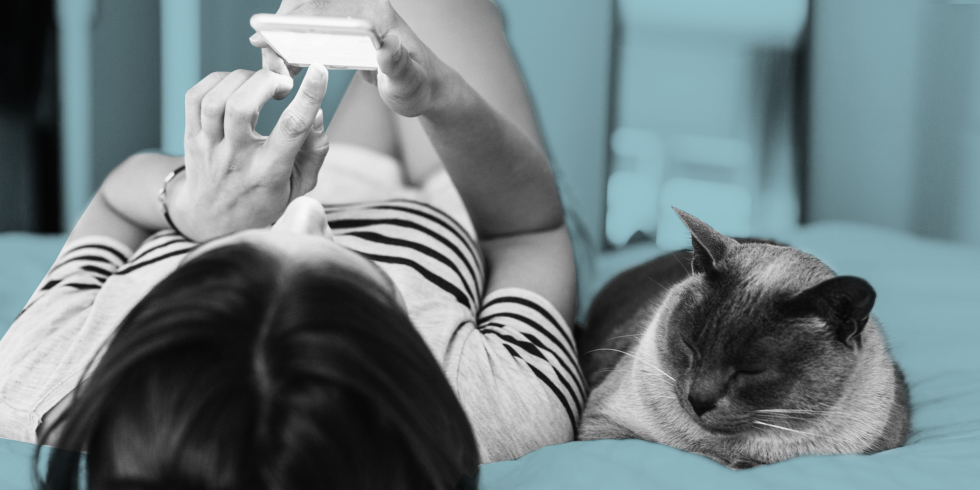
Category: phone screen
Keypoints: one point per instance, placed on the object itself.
(337, 51)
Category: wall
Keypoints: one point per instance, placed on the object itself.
(895, 119)
(125, 82)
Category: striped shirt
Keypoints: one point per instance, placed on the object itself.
(508, 354)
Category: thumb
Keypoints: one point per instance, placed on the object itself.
(295, 122)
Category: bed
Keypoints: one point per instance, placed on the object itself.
(928, 301)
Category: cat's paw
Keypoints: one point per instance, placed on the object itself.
(735, 462)
(743, 463)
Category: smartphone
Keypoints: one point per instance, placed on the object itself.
(336, 43)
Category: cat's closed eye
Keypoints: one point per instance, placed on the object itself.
(692, 352)
(750, 370)
(691, 349)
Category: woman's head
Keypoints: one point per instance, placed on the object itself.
(243, 370)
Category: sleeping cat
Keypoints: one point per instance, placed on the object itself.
(745, 351)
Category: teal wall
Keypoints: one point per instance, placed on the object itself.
(125, 82)
(17, 206)
(895, 121)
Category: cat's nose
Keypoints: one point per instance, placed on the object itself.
(707, 388)
(701, 404)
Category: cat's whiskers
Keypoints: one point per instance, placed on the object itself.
(623, 336)
(796, 410)
(685, 266)
(839, 416)
(759, 422)
(658, 283)
(783, 416)
(790, 419)
(645, 362)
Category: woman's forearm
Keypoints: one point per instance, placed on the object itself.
(132, 188)
(126, 207)
(503, 176)
(102, 219)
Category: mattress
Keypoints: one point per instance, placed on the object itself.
(928, 302)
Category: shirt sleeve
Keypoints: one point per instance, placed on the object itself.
(518, 376)
(44, 331)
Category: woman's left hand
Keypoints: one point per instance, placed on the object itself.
(411, 77)
(237, 179)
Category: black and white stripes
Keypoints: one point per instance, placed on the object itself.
(533, 335)
(508, 353)
(417, 236)
(421, 238)
(83, 265)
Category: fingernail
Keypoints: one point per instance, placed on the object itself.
(254, 38)
(317, 72)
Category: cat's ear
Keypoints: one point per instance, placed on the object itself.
(710, 247)
(844, 302)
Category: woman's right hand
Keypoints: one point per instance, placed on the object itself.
(235, 178)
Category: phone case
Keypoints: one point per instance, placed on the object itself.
(336, 43)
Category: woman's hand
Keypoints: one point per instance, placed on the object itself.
(237, 179)
(410, 79)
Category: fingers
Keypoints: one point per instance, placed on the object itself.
(310, 157)
(397, 64)
(243, 106)
(192, 101)
(213, 104)
(272, 62)
(294, 124)
(258, 41)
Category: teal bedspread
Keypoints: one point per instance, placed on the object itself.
(928, 302)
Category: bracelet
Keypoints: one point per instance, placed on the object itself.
(162, 197)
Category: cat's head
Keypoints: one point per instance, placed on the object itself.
(761, 334)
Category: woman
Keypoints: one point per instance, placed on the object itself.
(377, 345)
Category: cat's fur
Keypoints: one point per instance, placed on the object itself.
(745, 351)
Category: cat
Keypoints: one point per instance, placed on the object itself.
(745, 351)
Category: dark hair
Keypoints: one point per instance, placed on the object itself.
(238, 373)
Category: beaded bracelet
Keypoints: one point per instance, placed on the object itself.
(162, 197)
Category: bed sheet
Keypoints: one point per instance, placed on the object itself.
(928, 302)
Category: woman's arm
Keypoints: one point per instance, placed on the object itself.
(505, 179)
(125, 206)
(467, 35)
(501, 172)
(238, 179)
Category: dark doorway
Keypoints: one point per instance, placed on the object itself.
(29, 186)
